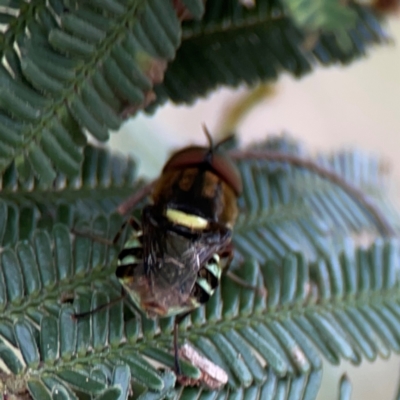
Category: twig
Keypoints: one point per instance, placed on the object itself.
(358, 195)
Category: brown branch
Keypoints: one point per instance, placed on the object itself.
(358, 195)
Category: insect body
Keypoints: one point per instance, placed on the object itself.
(174, 263)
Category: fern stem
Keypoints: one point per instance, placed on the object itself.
(358, 195)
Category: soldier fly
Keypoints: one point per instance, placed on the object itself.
(173, 261)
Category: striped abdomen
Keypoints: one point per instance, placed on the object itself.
(152, 294)
(208, 280)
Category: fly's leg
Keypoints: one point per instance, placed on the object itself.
(241, 282)
(90, 236)
(178, 320)
(131, 202)
(227, 256)
(111, 303)
(132, 221)
(99, 308)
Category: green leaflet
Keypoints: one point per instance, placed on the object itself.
(344, 388)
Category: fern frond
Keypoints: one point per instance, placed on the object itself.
(289, 208)
(87, 66)
(41, 272)
(234, 44)
(104, 180)
(343, 307)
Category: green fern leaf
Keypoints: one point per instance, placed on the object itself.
(287, 208)
(104, 180)
(234, 44)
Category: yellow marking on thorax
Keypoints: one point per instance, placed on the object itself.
(189, 220)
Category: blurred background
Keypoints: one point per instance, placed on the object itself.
(330, 109)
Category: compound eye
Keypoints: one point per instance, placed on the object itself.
(187, 157)
(220, 164)
(227, 171)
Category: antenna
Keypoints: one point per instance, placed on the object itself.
(209, 137)
(210, 152)
(212, 147)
